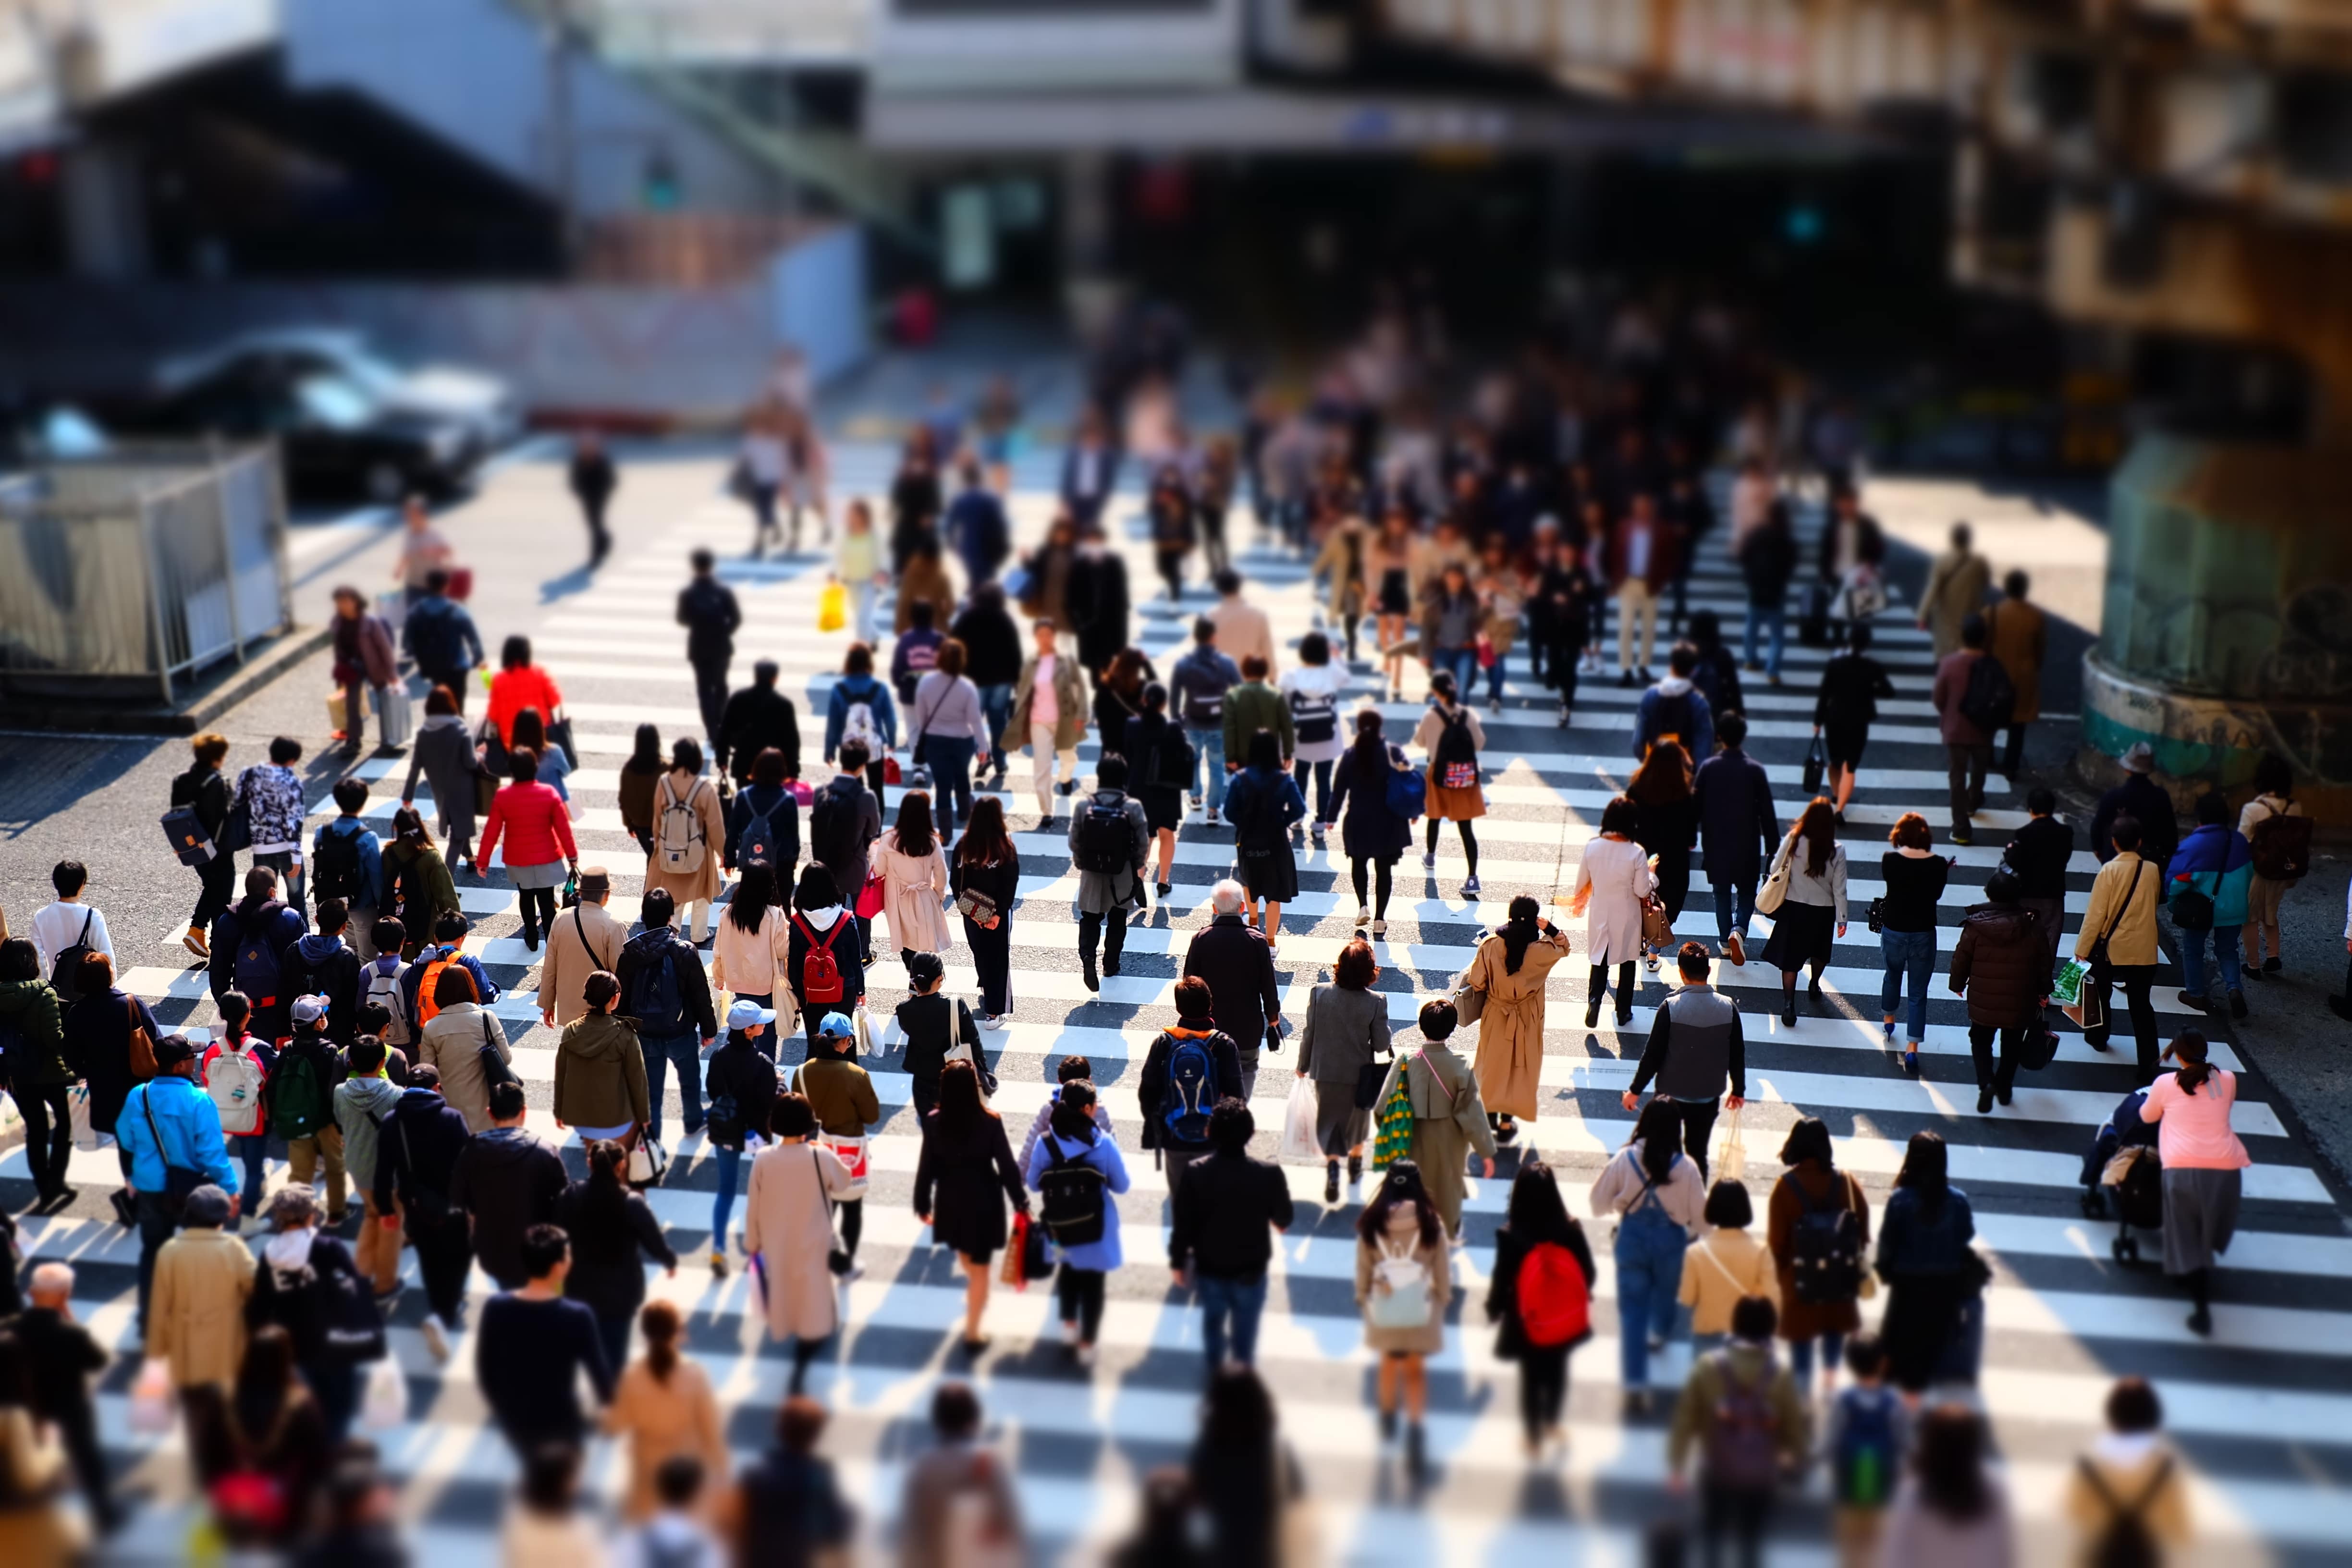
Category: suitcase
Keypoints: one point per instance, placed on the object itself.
(395, 720)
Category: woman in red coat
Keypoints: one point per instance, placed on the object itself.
(539, 850)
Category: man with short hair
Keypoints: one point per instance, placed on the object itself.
(1675, 709)
(1695, 1048)
(1049, 708)
(2038, 853)
(916, 651)
(1255, 705)
(2018, 634)
(447, 947)
(1967, 745)
(1244, 630)
(976, 527)
(1739, 832)
(1219, 1240)
(707, 608)
(1235, 959)
(506, 1181)
(62, 1358)
(1175, 1116)
(1956, 590)
(665, 992)
(755, 719)
(320, 964)
(439, 635)
(844, 819)
(347, 862)
(169, 1123)
(1108, 829)
(68, 924)
(272, 795)
(1196, 690)
(585, 938)
(417, 1160)
(1640, 561)
(532, 1345)
(251, 943)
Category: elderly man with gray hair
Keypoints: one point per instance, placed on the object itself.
(64, 1358)
(1232, 956)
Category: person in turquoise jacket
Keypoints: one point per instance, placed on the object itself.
(1072, 1138)
(2219, 864)
(169, 1123)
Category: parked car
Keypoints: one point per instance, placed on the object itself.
(335, 439)
(484, 404)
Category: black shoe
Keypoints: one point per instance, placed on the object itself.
(1505, 1131)
(2250, 972)
(1416, 1454)
(1625, 1019)
(2201, 1323)
(530, 940)
(126, 1208)
(2237, 1003)
(2099, 1044)
(1984, 1102)
(1066, 786)
(2339, 1005)
(1591, 1014)
(1788, 1014)
(1355, 1169)
(1963, 839)
(1087, 970)
(2272, 964)
(1111, 967)
(1388, 1426)
(1625, 677)
(2002, 1094)
(1165, 888)
(1331, 1182)
(2190, 1000)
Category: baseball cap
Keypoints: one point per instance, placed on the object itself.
(745, 1014)
(837, 1024)
(310, 1009)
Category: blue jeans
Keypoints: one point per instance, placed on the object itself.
(1800, 1356)
(1911, 952)
(1242, 1301)
(950, 759)
(2225, 958)
(996, 701)
(1210, 746)
(253, 1152)
(1463, 663)
(723, 1205)
(686, 1050)
(1741, 893)
(1649, 1280)
(1759, 616)
(1494, 680)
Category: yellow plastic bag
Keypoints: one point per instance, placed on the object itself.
(833, 608)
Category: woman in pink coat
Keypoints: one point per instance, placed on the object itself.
(540, 849)
(914, 875)
(2204, 1167)
(1613, 876)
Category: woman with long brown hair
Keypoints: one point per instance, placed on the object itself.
(966, 1163)
(1666, 823)
(1812, 914)
(985, 880)
(665, 1406)
(914, 870)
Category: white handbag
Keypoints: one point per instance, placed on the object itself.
(649, 1162)
(1775, 891)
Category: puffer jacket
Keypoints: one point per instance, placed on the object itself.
(2001, 964)
(37, 1057)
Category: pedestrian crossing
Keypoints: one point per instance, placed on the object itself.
(2262, 1409)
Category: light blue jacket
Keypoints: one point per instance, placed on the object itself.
(1103, 1155)
(191, 1130)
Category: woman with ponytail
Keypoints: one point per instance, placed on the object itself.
(1073, 1138)
(2204, 1166)
(665, 1406)
(1509, 968)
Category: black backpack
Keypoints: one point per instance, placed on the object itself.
(1455, 757)
(1071, 1198)
(759, 841)
(1673, 718)
(65, 974)
(1989, 698)
(1825, 1263)
(1314, 715)
(833, 829)
(1105, 841)
(337, 873)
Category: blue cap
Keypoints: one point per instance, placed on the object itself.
(743, 1015)
(837, 1025)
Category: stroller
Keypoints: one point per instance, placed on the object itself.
(2123, 1159)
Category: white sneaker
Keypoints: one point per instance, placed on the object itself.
(1363, 914)
(437, 1339)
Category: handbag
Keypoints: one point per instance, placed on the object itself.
(832, 607)
(1657, 930)
(2192, 909)
(1775, 891)
(869, 898)
(1817, 765)
(649, 1162)
(179, 1181)
(495, 1069)
(975, 906)
(1877, 913)
(338, 715)
(1469, 1005)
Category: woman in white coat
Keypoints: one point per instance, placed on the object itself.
(788, 1232)
(914, 872)
(1613, 879)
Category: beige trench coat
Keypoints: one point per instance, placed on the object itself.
(911, 890)
(567, 962)
(664, 1420)
(453, 1044)
(1449, 1120)
(789, 1225)
(2021, 639)
(1511, 1030)
(704, 882)
(1956, 590)
(195, 1315)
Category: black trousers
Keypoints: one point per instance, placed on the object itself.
(78, 1427)
(538, 910)
(992, 954)
(1597, 984)
(1734, 1510)
(445, 1255)
(1698, 1125)
(455, 679)
(1080, 1292)
(1469, 840)
(1543, 1388)
(2013, 752)
(2139, 980)
(1110, 930)
(216, 882)
(156, 1226)
(710, 693)
(2012, 1041)
(600, 543)
(1964, 772)
(1384, 875)
(49, 1135)
(853, 1223)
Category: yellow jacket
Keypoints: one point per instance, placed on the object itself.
(195, 1316)
(1720, 1267)
(2133, 942)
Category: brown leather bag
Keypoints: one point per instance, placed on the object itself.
(1657, 930)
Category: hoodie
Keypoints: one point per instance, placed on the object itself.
(36, 1043)
(507, 1180)
(418, 1151)
(1675, 706)
(663, 945)
(2218, 863)
(324, 966)
(360, 1106)
(600, 1074)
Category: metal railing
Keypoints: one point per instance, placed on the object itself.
(123, 575)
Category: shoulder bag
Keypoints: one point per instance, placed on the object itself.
(2100, 962)
(1775, 891)
(495, 1069)
(179, 1181)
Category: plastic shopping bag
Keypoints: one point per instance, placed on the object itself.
(1298, 1140)
(85, 1136)
(832, 607)
(1731, 1160)
(385, 1403)
(2066, 989)
(151, 1398)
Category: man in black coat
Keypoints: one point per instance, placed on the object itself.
(993, 659)
(2141, 796)
(707, 609)
(1098, 604)
(1227, 1212)
(756, 718)
(593, 481)
(63, 1357)
(416, 1165)
(506, 1181)
(1232, 956)
(1739, 831)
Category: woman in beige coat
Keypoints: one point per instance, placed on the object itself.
(1400, 1248)
(914, 879)
(1724, 1265)
(196, 1313)
(1509, 970)
(1449, 1120)
(452, 1046)
(690, 873)
(788, 1232)
(2124, 900)
(665, 1406)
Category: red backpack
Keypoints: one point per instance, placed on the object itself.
(820, 974)
(1555, 1303)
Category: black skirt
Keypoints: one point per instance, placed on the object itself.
(1844, 743)
(1802, 934)
(1272, 875)
(1164, 808)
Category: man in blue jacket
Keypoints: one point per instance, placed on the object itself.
(1738, 832)
(1675, 707)
(976, 527)
(440, 637)
(1196, 689)
(169, 1124)
(2214, 861)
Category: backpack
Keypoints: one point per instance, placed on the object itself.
(2126, 1541)
(65, 974)
(335, 873)
(1314, 715)
(857, 725)
(820, 971)
(1191, 1072)
(1825, 1263)
(428, 1008)
(1399, 1293)
(833, 827)
(678, 838)
(655, 1000)
(234, 1081)
(256, 969)
(299, 1100)
(1989, 698)
(1106, 839)
(385, 989)
(1407, 793)
(1455, 758)
(1742, 1450)
(1674, 719)
(759, 840)
(2281, 847)
(1554, 1302)
(1865, 1464)
(1070, 1198)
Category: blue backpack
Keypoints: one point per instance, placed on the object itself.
(1863, 1467)
(255, 969)
(655, 1000)
(1407, 793)
(1191, 1072)
(759, 840)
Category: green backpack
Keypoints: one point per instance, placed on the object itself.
(299, 1101)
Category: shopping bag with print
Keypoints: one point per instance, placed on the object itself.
(338, 715)
(2066, 988)
(86, 1137)
(832, 607)
(1298, 1140)
(1008, 1268)
(1393, 1138)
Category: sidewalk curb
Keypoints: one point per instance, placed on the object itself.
(274, 660)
